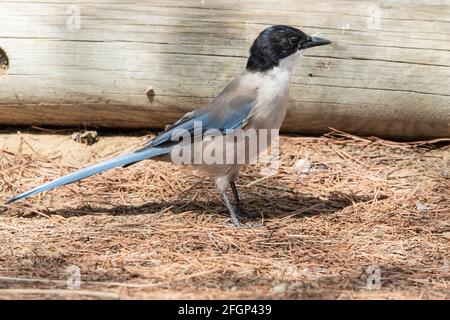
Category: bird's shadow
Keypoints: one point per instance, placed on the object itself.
(297, 205)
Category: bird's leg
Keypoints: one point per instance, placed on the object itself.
(239, 207)
(234, 218)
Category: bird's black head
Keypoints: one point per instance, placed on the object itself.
(278, 42)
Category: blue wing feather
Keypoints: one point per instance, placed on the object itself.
(232, 118)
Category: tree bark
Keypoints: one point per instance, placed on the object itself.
(386, 74)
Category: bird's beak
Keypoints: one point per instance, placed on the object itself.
(314, 42)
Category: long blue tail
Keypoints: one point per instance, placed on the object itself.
(121, 160)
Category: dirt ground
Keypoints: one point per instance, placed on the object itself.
(344, 218)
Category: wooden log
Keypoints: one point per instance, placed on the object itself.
(387, 72)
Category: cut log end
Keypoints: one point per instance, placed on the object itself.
(4, 62)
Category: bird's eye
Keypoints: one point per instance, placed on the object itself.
(292, 41)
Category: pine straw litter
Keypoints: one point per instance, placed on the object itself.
(338, 208)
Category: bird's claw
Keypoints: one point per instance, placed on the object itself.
(235, 214)
(238, 224)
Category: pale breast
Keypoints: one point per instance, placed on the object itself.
(272, 100)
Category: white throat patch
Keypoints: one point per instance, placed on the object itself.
(273, 92)
(288, 63)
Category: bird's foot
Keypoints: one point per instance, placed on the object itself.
(234, 215)
(235, 222)
(242, 213)
(240, 210)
